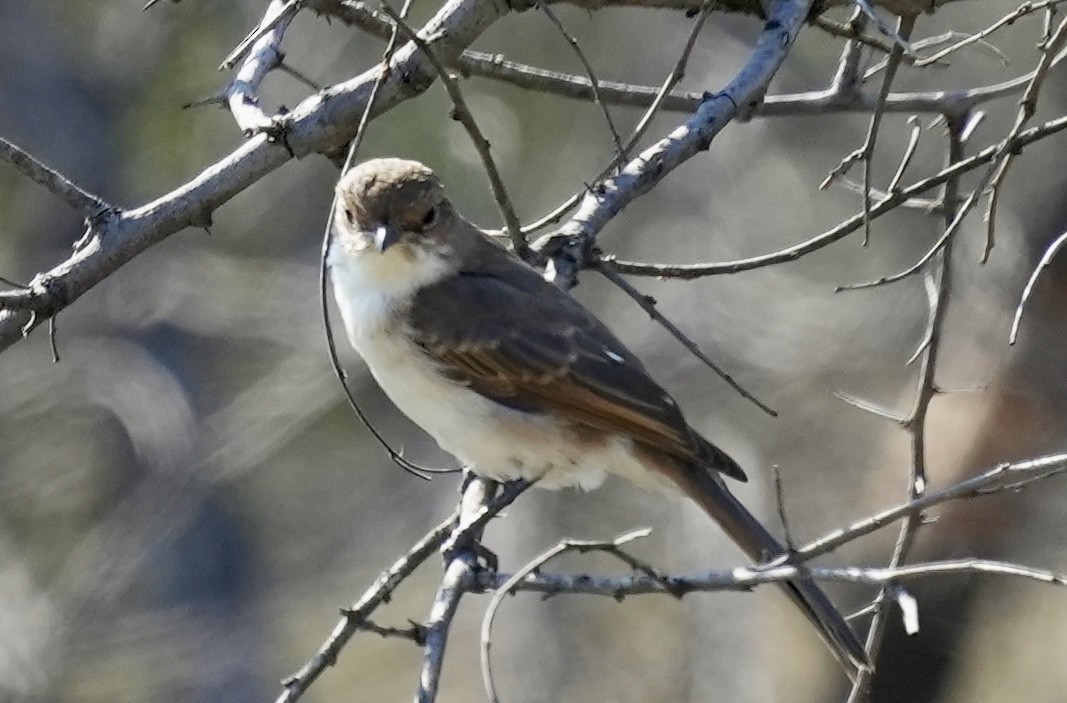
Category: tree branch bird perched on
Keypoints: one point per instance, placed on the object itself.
(511, 374)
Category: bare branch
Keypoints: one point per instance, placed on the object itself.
(1024, 9)
(747, 578)
(571, 246)
(71, 193)
(322, 123)
(507, 588)
(939, 293)
(1027, 106)
(1003, 477)
(866, 152)
(1006, 476)
(355, 617)
(278, 14)
(797, 251)
(264, 54)
(898, 37)
(461, 561)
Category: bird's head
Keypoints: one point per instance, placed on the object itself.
(392, 208)
(396, 230)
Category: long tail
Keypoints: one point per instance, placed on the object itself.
(707, 488)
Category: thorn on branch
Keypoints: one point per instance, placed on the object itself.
(52, 346)
(216, 99)
(202, 219)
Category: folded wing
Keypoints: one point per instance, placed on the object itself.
(520, 341)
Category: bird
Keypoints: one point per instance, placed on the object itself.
(512, 375)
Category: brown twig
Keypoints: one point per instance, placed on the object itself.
(620, 151)
(648, 305)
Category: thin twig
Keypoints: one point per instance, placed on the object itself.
(871, 407)
(534, 565)
(300, 77)
(620, 151)
(1024, 9)
(1027, 107)
(909, 154)
(848, 76)
(462, 113)
(395, 456)
(920, 264)
(848, 30)
(354, 618)
(607, 270)
(413, 632)
(672, 79)
(779, 502)
(70, 192)
(841, 230)
(1006, 476)
(865, 153)
(1043, 264)
(745, 578)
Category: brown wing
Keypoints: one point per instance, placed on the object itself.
(522, 342)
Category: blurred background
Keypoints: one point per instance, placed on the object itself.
(186, 500)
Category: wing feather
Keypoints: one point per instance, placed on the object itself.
(522, 342)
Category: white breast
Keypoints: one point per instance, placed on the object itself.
(494, 440)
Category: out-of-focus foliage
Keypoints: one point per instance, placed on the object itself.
(185, 500)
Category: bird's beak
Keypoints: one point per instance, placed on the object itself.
(385, 236)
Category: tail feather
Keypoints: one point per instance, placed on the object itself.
(706, 487)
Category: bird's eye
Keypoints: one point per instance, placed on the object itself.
(430, 218)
